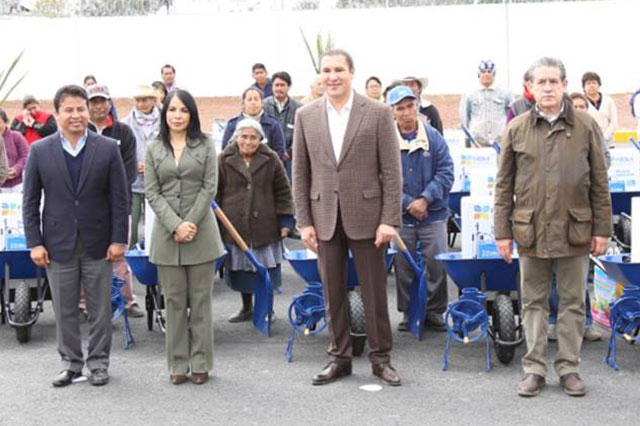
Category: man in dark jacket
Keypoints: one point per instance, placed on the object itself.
(557, 211)
(79, 231)
(427, 175)
(262, 81)
(102, 122)
(284, 108)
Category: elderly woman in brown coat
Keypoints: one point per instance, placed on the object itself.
(255, 194)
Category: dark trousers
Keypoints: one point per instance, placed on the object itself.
(65, 279)
(370, 266)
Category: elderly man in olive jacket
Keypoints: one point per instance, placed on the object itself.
(552, 198)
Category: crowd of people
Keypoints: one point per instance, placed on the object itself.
(342, 171)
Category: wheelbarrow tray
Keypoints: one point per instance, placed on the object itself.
(621, 201)
(305, 264)
(145, 271)
(466, 272)
(620, 270)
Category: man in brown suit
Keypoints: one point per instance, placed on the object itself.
(552, 198)
(347, 183)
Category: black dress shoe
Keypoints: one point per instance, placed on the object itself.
(65, 378)
(387, 373)
(332, 372)
(99, 377)
(435, 322)
(241, 316)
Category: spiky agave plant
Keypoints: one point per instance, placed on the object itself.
(4, 77)
(320, 49)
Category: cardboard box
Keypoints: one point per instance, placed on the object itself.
(477, 240)
(11, 225)
(624, 172)
(605, 292)
(469, 161)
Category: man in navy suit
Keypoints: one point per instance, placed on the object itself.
(81, 230)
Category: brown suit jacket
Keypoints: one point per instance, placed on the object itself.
(366, 181)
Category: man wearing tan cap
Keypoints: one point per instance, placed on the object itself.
(144, 120)
(427, 109)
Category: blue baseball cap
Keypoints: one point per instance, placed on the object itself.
(399, 93)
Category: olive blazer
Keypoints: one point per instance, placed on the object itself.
(182, 193)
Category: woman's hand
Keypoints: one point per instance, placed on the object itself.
(185, 232)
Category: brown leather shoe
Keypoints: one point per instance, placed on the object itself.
(387, 373)
(531, 385)
(177, 379)
(332, 372)
(199, 378)
(573, 384)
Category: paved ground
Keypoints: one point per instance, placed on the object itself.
(254, 385)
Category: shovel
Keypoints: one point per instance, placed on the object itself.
(417, 293)
(263, 308)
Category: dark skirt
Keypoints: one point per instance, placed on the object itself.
(243, 281)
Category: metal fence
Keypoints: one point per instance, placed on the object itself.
(89, 8)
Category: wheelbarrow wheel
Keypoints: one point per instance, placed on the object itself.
(504, 325)
(358, 323)
(22, 311)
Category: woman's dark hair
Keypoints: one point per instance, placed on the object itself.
(581, 96)
(89, 77)
(255, 89)
(3, 116)
(160, 85)
(589, 76)
(193, 129)
(71, 90)
(374, 78)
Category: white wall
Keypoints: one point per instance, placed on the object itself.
(213, 53)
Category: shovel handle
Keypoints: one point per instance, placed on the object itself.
(401, 245)
(229, 226)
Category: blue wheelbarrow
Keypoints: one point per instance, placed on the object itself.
(21, 301)
(474, 316)
(306, 311)
(624, 316)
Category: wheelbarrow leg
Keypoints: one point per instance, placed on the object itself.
(446, 352)
(289, 352)
(488, 360)
(611, 353)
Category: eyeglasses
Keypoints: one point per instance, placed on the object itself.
(248, 137)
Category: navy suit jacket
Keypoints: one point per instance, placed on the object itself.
(96, 212)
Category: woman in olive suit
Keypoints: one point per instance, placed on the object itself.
(180, 181)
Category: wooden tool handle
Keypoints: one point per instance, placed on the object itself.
(401, 245)
(229, 226)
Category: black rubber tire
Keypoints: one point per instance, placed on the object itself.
(356, 311)
(358, 344)
(22, 310)
(358, 323)
(504, 325)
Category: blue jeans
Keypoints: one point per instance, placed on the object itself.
(553, 303)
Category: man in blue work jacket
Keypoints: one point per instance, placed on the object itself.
(427, 174)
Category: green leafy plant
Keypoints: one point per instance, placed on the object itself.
(4, 78)
(321, 47)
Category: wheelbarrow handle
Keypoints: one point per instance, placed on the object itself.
(229, 226)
